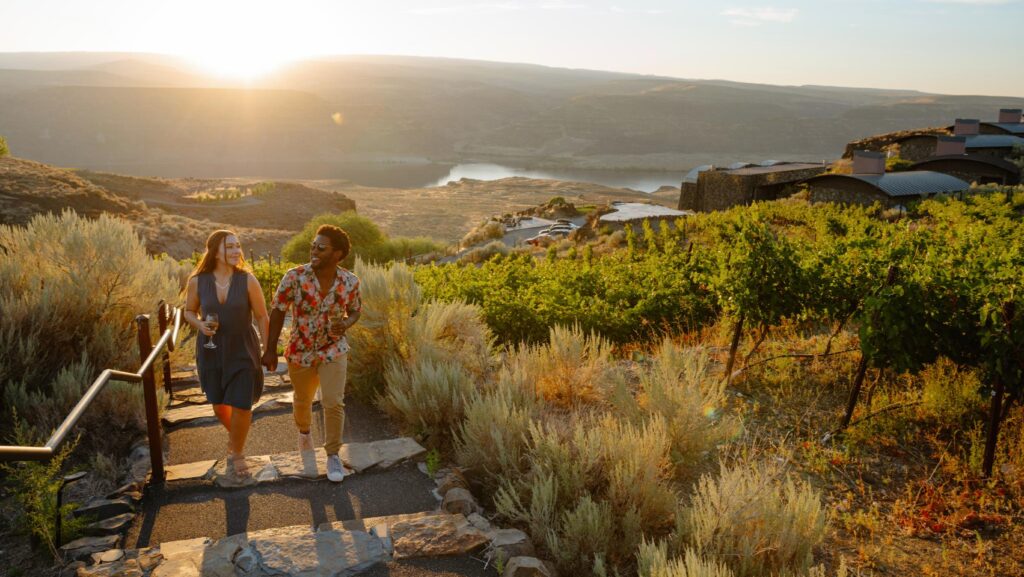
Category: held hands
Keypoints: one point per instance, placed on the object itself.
(269, 359)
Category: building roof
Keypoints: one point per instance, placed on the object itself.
(780, 167)
(1010, 127)
(978, 158)
(691, 176)
(994, 141)
(910, 183)
(626, 211)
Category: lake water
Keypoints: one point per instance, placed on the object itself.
(636, 180)
(400, 174)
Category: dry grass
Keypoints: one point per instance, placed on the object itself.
(571, 368)
(483, 232)
(756, 518)
(594, 489)
(680, 388)
(653, 561)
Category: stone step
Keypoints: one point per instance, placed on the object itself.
(190, 393)
(189, 413)
(357, 457)
(333, 549)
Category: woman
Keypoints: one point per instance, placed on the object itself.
(228, 355)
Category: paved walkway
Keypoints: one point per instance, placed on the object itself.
(196, 505)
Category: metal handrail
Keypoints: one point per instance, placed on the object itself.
(144, 375)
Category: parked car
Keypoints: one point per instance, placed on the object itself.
(552, 232)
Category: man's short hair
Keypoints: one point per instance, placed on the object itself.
(339, 238)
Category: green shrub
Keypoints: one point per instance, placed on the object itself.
(69, 290)
(269, 274)
(34, 486)
(369, 243)
(4, 149)
(897, 164)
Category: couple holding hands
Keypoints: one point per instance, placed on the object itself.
(224, 301)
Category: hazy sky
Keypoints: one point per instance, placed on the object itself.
(947, 46)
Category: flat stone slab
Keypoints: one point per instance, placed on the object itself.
(192, 413)
(82, 549)
(304, 465)
(197, 470)
(105, 508)
(383, 454)
(340, 549)
(260, 469)
(436, 535)
(302, 551)
(189, 413)
(297, 551)
(111, 525)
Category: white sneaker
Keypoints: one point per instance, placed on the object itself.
(305, 442)
(335, 472)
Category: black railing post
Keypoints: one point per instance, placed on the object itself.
(156, 451)
(162, 320)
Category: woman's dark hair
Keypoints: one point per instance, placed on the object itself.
(208, 261)
(339, 238)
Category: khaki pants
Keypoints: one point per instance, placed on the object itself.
(330, 377)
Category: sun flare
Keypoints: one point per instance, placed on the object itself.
(239, 63)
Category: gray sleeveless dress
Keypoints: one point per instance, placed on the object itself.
(230, 374)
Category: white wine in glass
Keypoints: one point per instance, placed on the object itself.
(212, 321)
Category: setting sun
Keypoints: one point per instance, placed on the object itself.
(232, 61)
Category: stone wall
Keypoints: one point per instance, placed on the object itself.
(849, 192)
(721, 189)
(688, 197)
(918, 148)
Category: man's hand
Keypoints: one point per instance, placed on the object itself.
(337, 329)
(270, 359)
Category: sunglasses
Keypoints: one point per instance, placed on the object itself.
(319, 246)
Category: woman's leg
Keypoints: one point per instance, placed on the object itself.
(223, 413)
(241, 419)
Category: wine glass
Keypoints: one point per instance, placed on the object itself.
(213, 321)
(336, 318)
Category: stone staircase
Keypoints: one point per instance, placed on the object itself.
(389, 517)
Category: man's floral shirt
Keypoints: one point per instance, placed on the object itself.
(311, 343)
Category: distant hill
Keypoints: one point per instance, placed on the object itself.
(124, 112)
(164, 212)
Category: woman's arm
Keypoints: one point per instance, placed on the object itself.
(259, 308)
(191, 313)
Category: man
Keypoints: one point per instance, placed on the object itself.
(320, 295)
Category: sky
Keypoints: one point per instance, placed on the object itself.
(942, 46)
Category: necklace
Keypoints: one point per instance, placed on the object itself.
(223, 286)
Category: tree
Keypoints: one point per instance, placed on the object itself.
(365, 236)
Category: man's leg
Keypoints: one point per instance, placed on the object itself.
(304, 382)
(332, 389)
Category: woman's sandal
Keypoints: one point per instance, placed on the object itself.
(237, 467)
